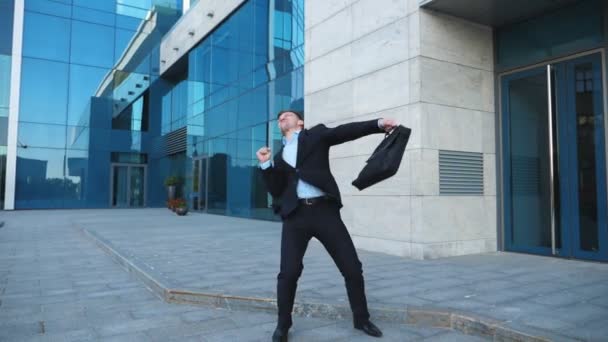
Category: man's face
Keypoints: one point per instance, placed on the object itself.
(288, 121)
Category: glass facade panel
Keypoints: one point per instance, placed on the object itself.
(84, 65)
(84, 82)
(46, 36)
(94, 16)
(5, 84)
(44, 91)
(60, 8)
(90, 92)
(239, 77)
(41, 135)
(106, 5)
(134, 117)
(6, 27)
(569, 30)
(92, 44)
(40, 181)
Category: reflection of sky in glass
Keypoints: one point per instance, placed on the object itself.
(41, 162)
(240, 75)
(74, 71)
(84, 81)
(5, 84)
(6, 27)
(44, 91)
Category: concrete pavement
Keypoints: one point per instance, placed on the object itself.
(232, 262)
(56, 285)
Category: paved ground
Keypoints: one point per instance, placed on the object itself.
(216, 254)
(56, 285)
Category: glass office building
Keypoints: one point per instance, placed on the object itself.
(98, 126)
(85, 67)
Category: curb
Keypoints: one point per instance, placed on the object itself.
(421, 316)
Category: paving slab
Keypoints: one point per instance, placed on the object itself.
(60, 286)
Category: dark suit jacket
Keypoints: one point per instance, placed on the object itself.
(312, 163)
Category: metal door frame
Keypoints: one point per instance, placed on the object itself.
(128, 166)
(502, 181)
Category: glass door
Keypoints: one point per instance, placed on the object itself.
(585, 158)
(554, 160)
(200, 173)
(120, 186)
(128, 186)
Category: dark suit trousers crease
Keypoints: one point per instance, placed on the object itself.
(322, 221)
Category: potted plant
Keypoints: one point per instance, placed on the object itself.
(171, 183)
(172, 204)
(181, 208)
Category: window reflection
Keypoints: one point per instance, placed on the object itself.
(5, 84)
(6, 27)
(85, 69)
(46, 36)
(92, 44)
(41, 135)
(134, 117)
(238, 78)
(90, 88)
(44, 91)
(40, 178)
(84, 82)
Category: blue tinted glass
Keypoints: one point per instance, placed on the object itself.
(137, 3)
(84, 83)
(101, 5)
(44, 91)
(92, 44)
(40, 178)
(127, 22)
(41, 135)
(78, 137)
(94, 16)
(123, 37)
(3, 137)
(87, 179)
(133, 8)
(46, 37)
(77, 190)
(230, 99)
(6, 27)
(5, 84)
(60, 8)
(568, 30)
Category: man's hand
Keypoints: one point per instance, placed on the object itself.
(263, 154)
(388, 124)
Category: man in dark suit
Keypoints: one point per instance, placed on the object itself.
(310, 204)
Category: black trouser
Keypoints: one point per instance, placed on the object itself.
(321, 220)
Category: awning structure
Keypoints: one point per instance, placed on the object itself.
(495, 13)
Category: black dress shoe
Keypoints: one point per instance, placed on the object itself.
(369, 328)
(280, 335)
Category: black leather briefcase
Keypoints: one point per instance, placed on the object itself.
(385, 160)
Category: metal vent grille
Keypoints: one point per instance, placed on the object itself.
(460, 173)
(176, 141)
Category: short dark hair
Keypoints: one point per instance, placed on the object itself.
(300, 114)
